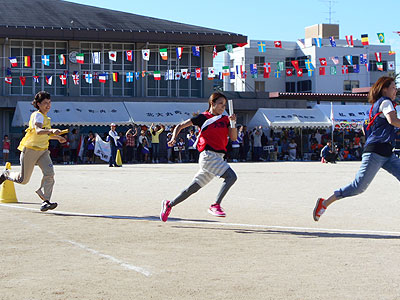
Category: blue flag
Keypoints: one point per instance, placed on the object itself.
(253, 68)
(332, 40)
(349, 59)
(232, 75)
(318, 42)
(356, 68)
(137, 74)
(196, 50)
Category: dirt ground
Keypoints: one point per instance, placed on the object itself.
(105, 240)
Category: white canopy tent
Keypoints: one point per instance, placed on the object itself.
(168, 113)
(349, 116)
(76, 113)
(289, 117)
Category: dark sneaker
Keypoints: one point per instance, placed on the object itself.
(3, 176)
(46, 205)
(165, 210)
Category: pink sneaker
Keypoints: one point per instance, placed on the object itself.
(216, 210)
(165, 210)
(319, 209)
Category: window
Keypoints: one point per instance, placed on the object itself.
(302, 60)
(259, 60)
(290, 87)
(372, 66)
(288, 62)
(304, 86)
(349, 85)
(259, 86)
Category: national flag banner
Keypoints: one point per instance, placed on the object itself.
(309, 65)
(96, 58)
(356, 68)
(310, 72)
(102, 78)
(278, 44)
(378, 56)
(129, 55)
(184, 73)
(22, 79)
(332, 41)
(295, 64)
(253, 68)
(13, 61)
(333, 70)
(211, 73)
(179, 51)
(75, 78)
(49, 79)
(241, 44)
(335, 60)
(381, 37)
(220, 76)
(391, 65)
(277, 74)
(137, 75)
(321, 70)
(289, 72)
(279, 65)
(46, 60)
(364, 39)
(80, 58)
(115, 76)
(9, 72)
(363, 59)
(345, 70)
(170, 75)
(244, 74)
(323, 61)
(36, 79)
(379, 66)
(129, 77)
(229, 48)
(8, 79)
(261, 46)
(89, 78)
(198, 73)
(146, 54)
(266, 74)
(157, 75)
(237, 70)
(392, 52)
(215, 53)
(318, 42)
(196, 50)
(112, 55)
(232, 74)
(225, 70)
(61, 59)
(164, 53)
(299, 72)
(398, 32)
(349, 40)
(267, 67)
(349, 59)
(188, 75)
(178, 75)
(27, 61)
(144, 73)
(63, 79)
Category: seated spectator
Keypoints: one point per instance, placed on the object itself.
(328, 153)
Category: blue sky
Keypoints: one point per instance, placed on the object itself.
(274, 20)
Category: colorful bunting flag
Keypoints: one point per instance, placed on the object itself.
(80, 58)
(225, 70)
(323, 61)
(310, 72)
(321, 70)
(13, 61)
(178, 75)
(391, 65)
(196, 50)
(215, 53)
(318, 42)
(299, 72)
(379, 66)
(75, 78)
(241, 44)
(22, 79)
(253, 69)
(349, 59)
(335, 60)
(278, 44)
(229, 48)
(146, 54)
(378, 56)
(364, 39)
(232, 74)
(332, 40)
(267, 67)
(129, 57)
(345, 70)
(27, 61)
(356, 68)
(179, 52)
(102, 78)
(392, 52)
(211, 73)
(308, 64)
(63, 79)
(381, 37)
(164, 53)
(157, 75)
(96, 58)
(198, 73)
(112, 55)
(349, 40)
(289, 72)
(279, 65)
(261, 46)
(8, 79)
(61, 59)
(46, 60)
(363, 59)
(277, 74)
(137, 75)
(184, 73)
(49, 79)
(295, 64)
(129, 77)
(36, 79)
(89, 78)
(333, 70)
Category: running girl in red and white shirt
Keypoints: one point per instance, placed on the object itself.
(211, 143)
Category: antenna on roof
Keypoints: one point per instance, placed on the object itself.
(330, 12)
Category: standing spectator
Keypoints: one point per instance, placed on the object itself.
(90, 143)
(292, 150)
(191, 137)
(181, 149)
(73, 146)
(155, 140)
(246, 144)
(145, 151)
(170, 158)
(257, 146)
(65, 151)
(121, 145)
(113, 140)
(142, 138)
(130, 144)
(235, 150)
(240, 140)
(6, 149)
(285, 149)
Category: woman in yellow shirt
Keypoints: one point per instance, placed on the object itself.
(155, 140)
(34, 151)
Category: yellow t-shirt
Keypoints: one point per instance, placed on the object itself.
(155, 138)
(32, 140)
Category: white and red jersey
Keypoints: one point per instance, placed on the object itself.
(214, 136)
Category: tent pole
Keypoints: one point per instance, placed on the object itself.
(301, 143)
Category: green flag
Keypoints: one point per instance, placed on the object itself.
(229, 48)
(381, 37)
(279, 65)
(333, 70)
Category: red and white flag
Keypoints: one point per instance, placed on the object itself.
(8, 79)
(129, 55)
(378, 56)
(63, 79)
(198, 73)
(215, 53)
(345, 70)
(349, 40)
(112, 55)
(278, 44)
(289, 72)
(299, 73)
(323, 62)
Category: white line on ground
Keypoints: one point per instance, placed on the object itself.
(95, 252)
(314, 229)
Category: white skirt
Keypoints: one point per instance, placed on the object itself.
(211, 164)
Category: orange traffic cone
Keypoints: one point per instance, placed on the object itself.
(7, 190)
